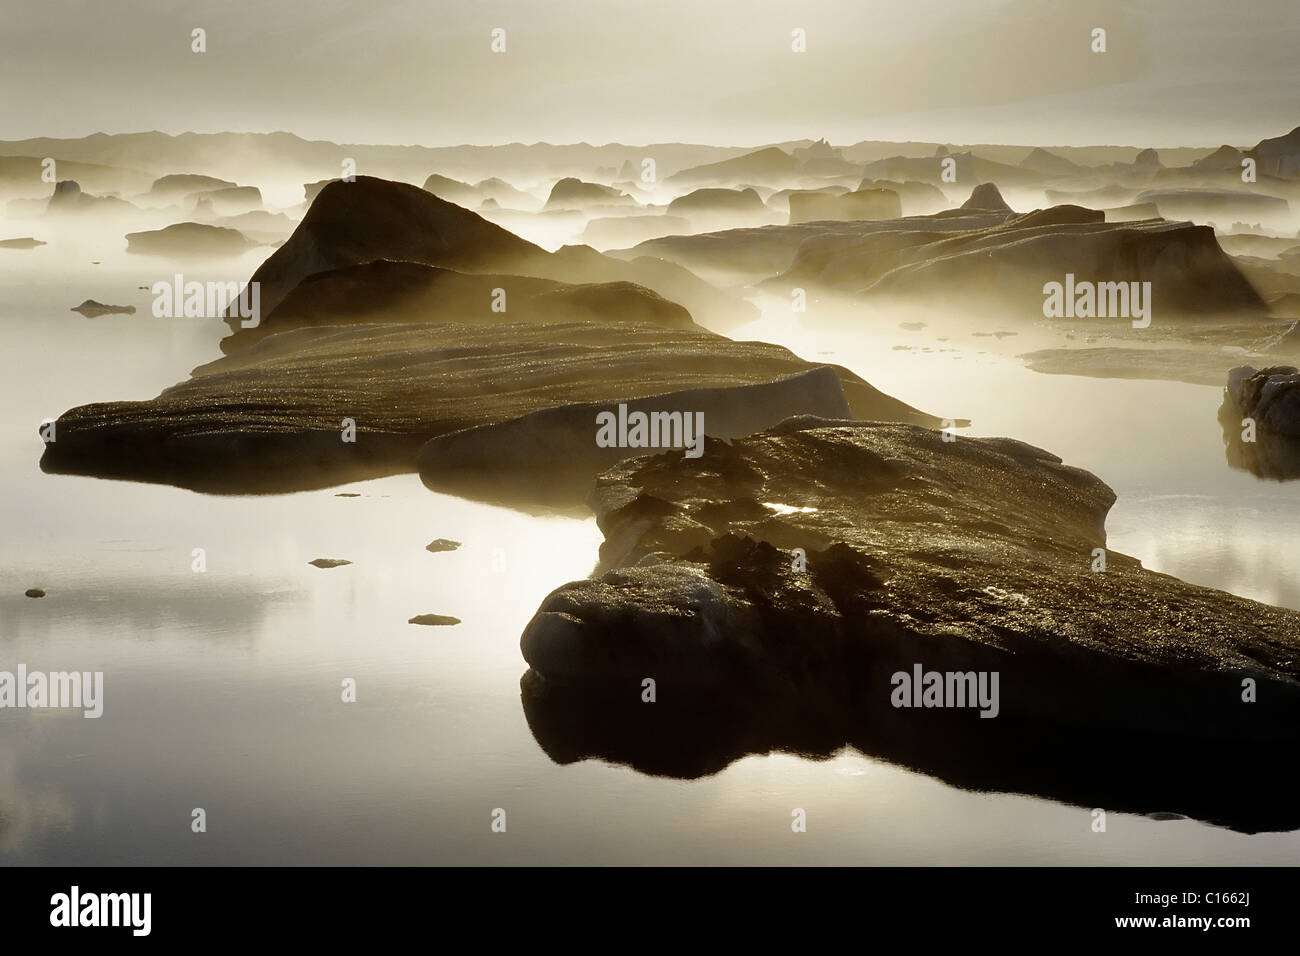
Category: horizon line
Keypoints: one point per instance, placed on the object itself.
(618, 143)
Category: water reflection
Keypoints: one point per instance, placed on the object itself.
(222, 687)
(690, 733)
(1262, 452)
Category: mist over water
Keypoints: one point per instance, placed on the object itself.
(437, 738)
(1180, 508)
(360, 572)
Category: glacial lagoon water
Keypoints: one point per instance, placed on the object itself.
(222, 688)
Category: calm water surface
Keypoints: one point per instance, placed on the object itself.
(222, 688)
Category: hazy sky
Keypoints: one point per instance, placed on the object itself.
(1177, 72)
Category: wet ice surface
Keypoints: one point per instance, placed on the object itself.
(222, 688)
